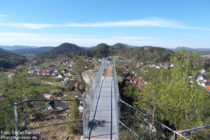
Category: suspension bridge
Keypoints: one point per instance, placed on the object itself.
(100, 106)
(105, 115)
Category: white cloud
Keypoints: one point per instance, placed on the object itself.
(150, 22)
(153, 22)
(27, 25)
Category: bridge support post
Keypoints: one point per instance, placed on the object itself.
(175, 136)
(16, 121)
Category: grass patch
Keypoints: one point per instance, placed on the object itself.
(3, 76)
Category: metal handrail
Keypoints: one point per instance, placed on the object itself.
(163, 125)
(30, 100)
(193, 129)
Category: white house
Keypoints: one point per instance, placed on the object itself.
(60, 76)
(202, 71)
(201, 81)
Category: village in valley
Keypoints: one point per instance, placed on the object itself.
(135, 73)
(65, 75)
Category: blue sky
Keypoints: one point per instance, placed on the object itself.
(165, 23)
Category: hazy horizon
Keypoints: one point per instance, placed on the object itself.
(33, 46)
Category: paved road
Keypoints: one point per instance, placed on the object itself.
(104, 115)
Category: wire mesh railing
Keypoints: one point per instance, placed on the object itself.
(90, 96)
(39, 119)
(143, 127)
(116, 93)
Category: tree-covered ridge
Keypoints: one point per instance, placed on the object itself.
(65, 49)
(10, 60)
(147, 53)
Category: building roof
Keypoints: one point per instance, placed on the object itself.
(207, 88)
(2, 99)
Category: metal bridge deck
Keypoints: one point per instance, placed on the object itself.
(104, 113)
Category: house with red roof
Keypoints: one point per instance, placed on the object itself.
(207, 88)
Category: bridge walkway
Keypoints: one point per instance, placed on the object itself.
(103, 116)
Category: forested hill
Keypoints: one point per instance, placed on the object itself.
(65, 49)
(149, 53)
(10, 60)
(146, 53)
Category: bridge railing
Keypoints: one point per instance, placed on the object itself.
(91, 95)
(38, 118)
(142, 126)
(198, 133)
(116, 93)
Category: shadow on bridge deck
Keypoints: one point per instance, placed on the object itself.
(103, 116)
